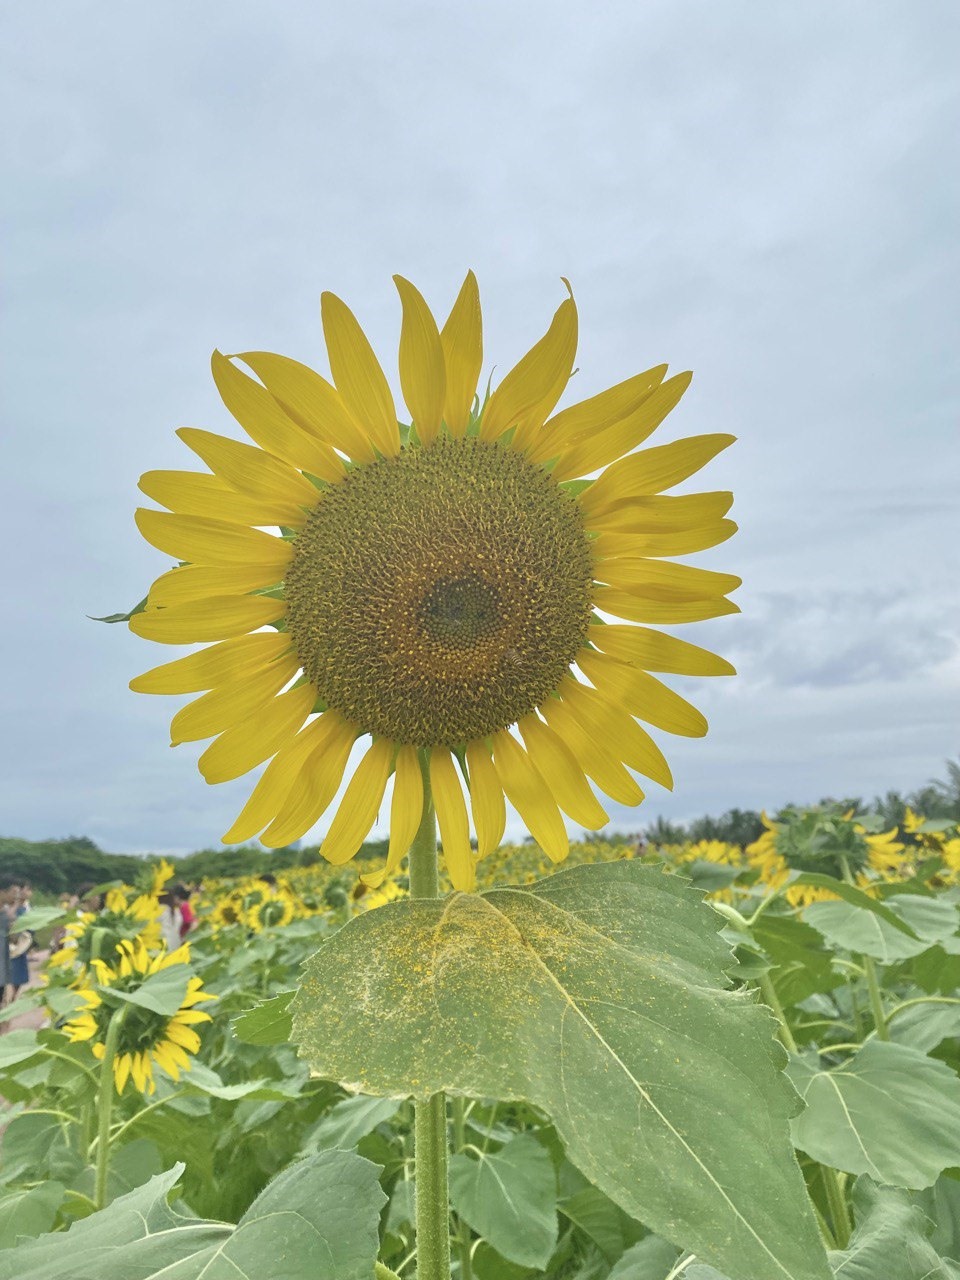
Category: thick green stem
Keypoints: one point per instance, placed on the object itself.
(430, 1116)
(839, 1215)
(463, 1231)
(876, 1000)
(105, 1108)
(770, 996)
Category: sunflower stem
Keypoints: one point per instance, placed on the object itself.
(105, 1107)
(430, 1114)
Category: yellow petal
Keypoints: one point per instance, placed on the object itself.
(202, 540)
(218, 618)
(618, 439)
(183, 1036)
(682, 542)
(532, 388)
(217, 665)
(360, 804)
(655, 651)
(316, 783)
(406, 811)
(596, 761)
(245, 745)
(452, 820)
(486, 799)
(311, 402)
(121, 1070)
(558, 766)
(194, 493)
(250, 470)
(138, 1071)
(529, 794)
(165, 1060)
(462, 341)
(358, 376)
(641, 694)
(278, 779)
(636, 608)
(268, 426)
(656, 513)
(228, 704)
(610, 724)
(652, 470)
(200, 582)
(660, 580)
(583, 420)
(423, 378)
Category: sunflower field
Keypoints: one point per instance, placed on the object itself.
(228, 1103)
(702, 1060)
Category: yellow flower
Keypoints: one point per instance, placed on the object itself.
(433, 587)
(145, 1037)
(272, 911)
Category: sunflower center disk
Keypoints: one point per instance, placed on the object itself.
(440, 595)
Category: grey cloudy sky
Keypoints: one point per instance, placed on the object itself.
(767, 194)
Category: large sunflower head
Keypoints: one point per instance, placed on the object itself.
(441, 590)
(146, 1037)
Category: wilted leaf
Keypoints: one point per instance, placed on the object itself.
(598, 996)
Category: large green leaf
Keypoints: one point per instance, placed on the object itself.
(348, 1121)
(891, 1241)
(845, 925)
(509, 1197)
(855, 897)
(317, 1220)
(889, 1111)
(599, 996)
(941, 1204)
(601, 1220)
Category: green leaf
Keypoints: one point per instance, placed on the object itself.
(891, 1240)
(317, 1220)
(17, 1046)
(598, 996)
(801, 967)
(855, 897)
(924, 1026)
(489, 1265)
(509, 1197)
(23, 1004)
(205, 1080)
(37, 918)
(162, 992)
(29, 1213)
(350, 1120)
(122, 617)
(651, 1259)
(871, 933)
(941, 1204)
(709, 876)
(268, 1023)
(601, 1220)
(888, 1111)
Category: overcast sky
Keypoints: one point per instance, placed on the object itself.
(765, 193)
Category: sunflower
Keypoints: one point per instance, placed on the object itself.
(429, 588)
(270, 911)
(99, 934)
(145, 1037)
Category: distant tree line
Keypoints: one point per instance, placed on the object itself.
(60, 866)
